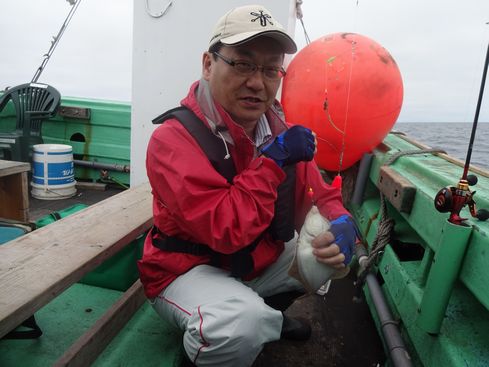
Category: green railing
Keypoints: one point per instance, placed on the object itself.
(99, 131)
(435, 275)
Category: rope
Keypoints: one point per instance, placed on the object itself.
(394, 157)
(382, 239)
(383, 236)
(386, 224)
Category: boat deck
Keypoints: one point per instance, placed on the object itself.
(343, 335)
(39, 208)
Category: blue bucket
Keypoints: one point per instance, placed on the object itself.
(53, 173)
(10, 232)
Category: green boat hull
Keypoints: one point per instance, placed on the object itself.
(68, 316)
(434, 274)
(99, 131)
(65, 319)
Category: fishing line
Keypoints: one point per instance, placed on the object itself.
(474, 67)
(329, 63)
(476, 117)
(343, 140)
(331, 145)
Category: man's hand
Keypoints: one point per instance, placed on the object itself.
(336, 246)
(328, 252)
(294, 145)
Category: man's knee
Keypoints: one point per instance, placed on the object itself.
(232, 330)
(251, 316)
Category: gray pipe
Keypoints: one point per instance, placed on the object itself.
(106, 166)
(397, 350)
(362, 176)
(388, 326)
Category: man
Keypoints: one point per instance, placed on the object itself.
(216, 262)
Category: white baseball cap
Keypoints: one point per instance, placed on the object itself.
(245, 23)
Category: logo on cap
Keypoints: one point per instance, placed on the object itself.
(264, 18)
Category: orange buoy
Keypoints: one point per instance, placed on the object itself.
(346, 88)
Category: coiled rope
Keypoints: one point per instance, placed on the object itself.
(386, 224)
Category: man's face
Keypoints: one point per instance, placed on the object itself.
(244, 97)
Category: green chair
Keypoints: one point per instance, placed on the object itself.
(33, 103)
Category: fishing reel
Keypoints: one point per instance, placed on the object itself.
(453, 199)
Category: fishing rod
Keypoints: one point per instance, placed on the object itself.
(453, 199)
(74, 5)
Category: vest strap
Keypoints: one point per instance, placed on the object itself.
(241, 261)
(213, 146)
(282, 226)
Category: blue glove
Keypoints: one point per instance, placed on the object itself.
(292, 146)
(345, 233)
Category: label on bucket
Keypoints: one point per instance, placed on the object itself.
(53, 165)
(57, 174)
(53, 175)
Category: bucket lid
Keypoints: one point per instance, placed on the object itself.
(52, 148)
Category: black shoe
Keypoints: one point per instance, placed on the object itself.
(186, 362)
(282, 301)
(295, 329)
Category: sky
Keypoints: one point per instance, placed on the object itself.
(439, 46)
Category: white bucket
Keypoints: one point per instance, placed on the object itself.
(53, 173)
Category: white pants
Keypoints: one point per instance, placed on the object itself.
(225, 320)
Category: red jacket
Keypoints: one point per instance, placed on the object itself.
(192, 201)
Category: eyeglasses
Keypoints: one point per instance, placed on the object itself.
(248, 68)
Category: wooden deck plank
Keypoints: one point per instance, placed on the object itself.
(88, 347)
(39, 266)
(8, 168)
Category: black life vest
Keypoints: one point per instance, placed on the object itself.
(282, 225)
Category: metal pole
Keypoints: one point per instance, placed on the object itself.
(398, 352)
(106, 166)
(393, 339)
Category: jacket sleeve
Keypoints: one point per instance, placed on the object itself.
(202, 205)
(327, 198)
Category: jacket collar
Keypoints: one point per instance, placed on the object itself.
(200, 101)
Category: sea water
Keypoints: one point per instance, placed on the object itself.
(452, 137)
